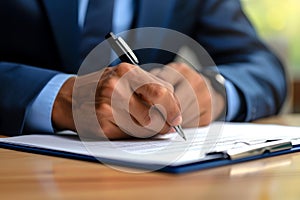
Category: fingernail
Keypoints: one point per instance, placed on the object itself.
(177, 120)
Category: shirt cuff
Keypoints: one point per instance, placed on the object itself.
(38, 118)
(233, 101)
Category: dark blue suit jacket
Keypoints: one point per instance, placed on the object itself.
(39, 38)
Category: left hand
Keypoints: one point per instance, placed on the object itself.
(200, 103)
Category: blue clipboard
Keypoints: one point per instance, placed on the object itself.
(212, 159)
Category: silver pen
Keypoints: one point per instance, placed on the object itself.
(121, 48)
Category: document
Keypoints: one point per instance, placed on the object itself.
(164, 150)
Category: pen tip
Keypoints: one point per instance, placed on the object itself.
(180, 131)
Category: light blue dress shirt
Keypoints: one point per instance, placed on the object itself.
(39, 116)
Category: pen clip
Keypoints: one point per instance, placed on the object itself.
(255, 150)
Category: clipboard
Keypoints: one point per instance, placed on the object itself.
(235, 156)
(211, 160)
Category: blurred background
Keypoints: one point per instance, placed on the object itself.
(277, 22)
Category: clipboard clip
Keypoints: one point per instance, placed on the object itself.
(254, 150)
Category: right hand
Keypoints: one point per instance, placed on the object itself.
(117, 102)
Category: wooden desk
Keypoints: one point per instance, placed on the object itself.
(31, 176)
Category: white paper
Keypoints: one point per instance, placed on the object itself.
(168, 149)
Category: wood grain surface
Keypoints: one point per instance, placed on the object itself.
(31, 176)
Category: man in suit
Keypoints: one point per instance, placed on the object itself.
(43, 42)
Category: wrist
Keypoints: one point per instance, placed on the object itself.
(218, 93)
(62, 115)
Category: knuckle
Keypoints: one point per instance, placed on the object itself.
(104, 109)
(157, 91)
(170, 87)
(181, 67)
(111, 82)
(124, 68)
(107, 88)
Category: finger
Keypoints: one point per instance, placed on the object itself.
(108, 126)
(147, 116)
(164, 99)
(153, 91)
(117, 121)
(203, 97)
(139, 110)
(199, 103)
(107, 87)
(168, 74)
(191, 110)
(158, 121)
(185, 70)
(112, 131)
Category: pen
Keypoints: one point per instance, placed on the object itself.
(121, 48)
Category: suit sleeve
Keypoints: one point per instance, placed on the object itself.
(242, 58)
(20, 84)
